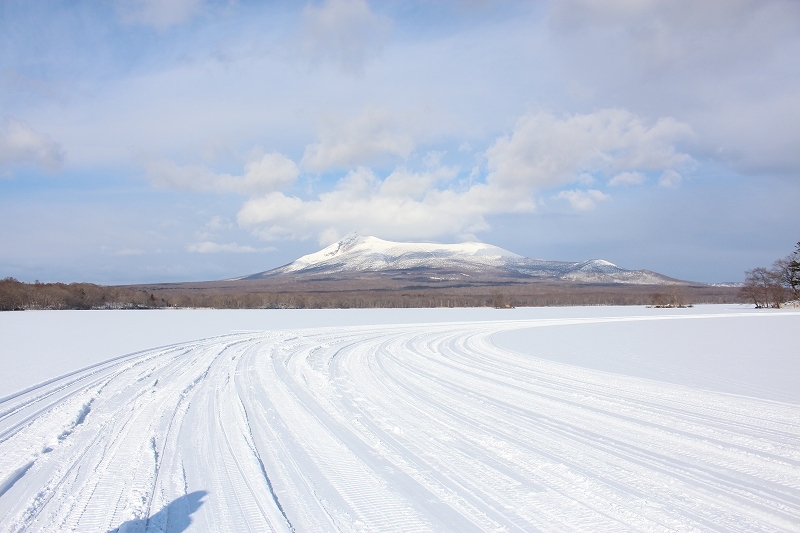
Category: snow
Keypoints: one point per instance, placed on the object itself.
(41, 345)
(355, 253)
(741, 356)
(372, 253)
(565, 419)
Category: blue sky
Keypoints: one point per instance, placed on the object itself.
(145, 140)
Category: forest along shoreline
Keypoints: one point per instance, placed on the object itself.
(17, 295)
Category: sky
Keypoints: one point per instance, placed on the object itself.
(183, 140)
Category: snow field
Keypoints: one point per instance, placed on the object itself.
(424, 427)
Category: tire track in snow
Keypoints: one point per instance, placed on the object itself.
(393, 428)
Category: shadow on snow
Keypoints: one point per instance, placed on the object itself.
(173, 518)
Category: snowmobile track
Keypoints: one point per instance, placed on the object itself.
(404, 428)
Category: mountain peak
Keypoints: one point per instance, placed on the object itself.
(357, 255)
(344, 244)
(356, 252)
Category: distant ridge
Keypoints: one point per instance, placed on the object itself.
(355, 257)
(368, 272)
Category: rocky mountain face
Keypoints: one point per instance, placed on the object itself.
(357, 257)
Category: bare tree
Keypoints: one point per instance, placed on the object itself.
(789, 268)
(501, 301)
(658, 299)
(763, 286)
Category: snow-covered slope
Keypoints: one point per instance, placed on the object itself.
(402, 428)
(357, 254)
(370, 253)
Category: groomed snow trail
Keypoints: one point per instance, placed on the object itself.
(389, 428)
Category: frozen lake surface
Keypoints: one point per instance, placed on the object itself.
(554, 419)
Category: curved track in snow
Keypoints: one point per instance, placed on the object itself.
(389, 428)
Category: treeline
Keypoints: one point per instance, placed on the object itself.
(16, 295)
(376, 293)
(528, 295)
(773, 287)
(21, 296)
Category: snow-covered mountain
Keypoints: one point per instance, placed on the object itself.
(355, 256)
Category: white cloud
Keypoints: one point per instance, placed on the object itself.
(670, 178)
(21, 144)
(415, 185)
(271, 172)
(728, 68)
(129, 251)
(159, 14)
(545, 151)
(583, 200)
(372, 136)
(208, 247)
(265, 173)
(628, 178)
(218, 223)
(212, 228)
(346, 32)
(404, 205)
(673, 35)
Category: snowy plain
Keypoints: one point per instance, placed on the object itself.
(538, 419)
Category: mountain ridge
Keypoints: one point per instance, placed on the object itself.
(357, 256)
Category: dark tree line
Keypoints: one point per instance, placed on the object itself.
(16, 295)
(773, 287)
(21, 296)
